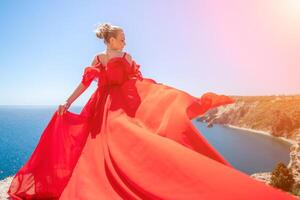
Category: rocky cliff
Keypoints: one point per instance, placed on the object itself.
(277, 115)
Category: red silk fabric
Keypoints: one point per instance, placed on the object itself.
(133, 139)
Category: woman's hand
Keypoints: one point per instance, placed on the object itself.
(62, 108)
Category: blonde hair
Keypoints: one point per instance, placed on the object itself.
(105, 31)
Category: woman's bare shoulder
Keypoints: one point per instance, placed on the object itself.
(128, 57)
(96, 59)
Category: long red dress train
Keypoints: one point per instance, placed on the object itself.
(133, 139)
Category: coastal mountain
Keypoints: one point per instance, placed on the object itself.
(277, 115)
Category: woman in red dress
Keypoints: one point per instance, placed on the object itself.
(132, 140)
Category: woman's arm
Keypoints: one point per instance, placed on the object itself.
(75, 94)
(81, 87)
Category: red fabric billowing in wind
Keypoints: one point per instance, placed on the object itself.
(133, 139)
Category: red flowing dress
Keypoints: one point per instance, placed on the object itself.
(133, 140)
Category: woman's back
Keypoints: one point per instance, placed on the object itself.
(105, 56)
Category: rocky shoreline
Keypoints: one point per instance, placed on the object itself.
(4, 185)
(291, 142)
(294, 165)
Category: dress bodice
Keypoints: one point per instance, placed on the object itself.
(116, 72)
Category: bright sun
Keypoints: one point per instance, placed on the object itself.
(291, 9)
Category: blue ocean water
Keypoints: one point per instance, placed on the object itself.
(20, 130)
(22, 126)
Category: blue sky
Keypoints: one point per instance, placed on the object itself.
(45, 46)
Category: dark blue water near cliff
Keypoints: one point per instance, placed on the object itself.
(22, 126)
(247, 151)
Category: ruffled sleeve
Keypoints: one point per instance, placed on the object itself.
(90, 73)
(135, 71)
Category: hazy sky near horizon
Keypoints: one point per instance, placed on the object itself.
(230, 47)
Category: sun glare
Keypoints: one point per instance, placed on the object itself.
(291, 9)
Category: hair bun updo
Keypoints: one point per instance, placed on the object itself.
(102, 30)
(105, 31)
